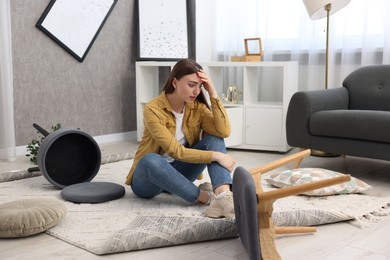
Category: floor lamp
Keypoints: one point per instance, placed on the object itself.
(318, 9)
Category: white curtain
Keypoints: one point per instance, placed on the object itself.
(359, 35)
(7, 133)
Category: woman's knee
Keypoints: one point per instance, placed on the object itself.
(216, 143)
(150, 160)
(142, 184)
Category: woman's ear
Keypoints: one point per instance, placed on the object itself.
(174, 83)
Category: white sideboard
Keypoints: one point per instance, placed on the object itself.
(257, 119)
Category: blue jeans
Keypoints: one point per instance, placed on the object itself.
(154, 174)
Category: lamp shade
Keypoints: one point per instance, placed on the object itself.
(316, 8)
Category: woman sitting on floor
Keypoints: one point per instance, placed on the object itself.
(172, 153)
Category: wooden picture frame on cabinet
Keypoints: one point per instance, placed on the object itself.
(253, 47)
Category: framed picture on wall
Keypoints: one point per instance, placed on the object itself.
(75, 24)
(163, 29)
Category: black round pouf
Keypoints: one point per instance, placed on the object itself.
(71, 157)
(92, 192)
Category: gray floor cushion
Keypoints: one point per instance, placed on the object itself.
(92, 192)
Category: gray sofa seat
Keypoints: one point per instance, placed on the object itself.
(367, 125)
(352, 120)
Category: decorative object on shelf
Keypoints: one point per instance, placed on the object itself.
(75, 24)
(231, 95)
(253, 50)
(318, 9)
(166, 31)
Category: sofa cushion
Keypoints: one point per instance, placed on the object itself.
(370, 125)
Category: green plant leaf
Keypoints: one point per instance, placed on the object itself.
(33, 146)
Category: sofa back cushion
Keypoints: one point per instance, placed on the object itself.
(369, 88)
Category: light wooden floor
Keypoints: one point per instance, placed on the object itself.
(334, 241)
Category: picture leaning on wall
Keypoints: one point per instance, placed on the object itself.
(75, 24)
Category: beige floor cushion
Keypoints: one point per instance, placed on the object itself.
(26, 217)
(307, 175)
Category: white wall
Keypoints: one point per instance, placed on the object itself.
(204, 30)
(7, 132)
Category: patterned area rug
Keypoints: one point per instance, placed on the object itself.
(131, 223)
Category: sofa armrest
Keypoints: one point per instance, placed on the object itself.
(303, 104)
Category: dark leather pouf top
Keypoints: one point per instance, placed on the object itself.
(93, 192)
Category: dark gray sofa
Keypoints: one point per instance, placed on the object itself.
(350, 120)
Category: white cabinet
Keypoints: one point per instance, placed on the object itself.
(259, 121)
(235, 117)
(258, 118)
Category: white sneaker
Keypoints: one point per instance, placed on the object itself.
(221, 206)
(206, 186)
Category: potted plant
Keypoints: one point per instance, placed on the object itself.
(33, 146)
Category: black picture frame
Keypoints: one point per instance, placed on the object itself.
(75, 24)
(165, 29)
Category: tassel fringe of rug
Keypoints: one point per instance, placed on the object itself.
(372, 217)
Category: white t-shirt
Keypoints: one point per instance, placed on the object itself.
(179, 133)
